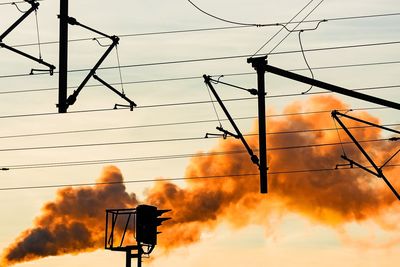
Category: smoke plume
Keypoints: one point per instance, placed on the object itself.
(70, 224)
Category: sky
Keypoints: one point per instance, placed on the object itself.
(330, 218)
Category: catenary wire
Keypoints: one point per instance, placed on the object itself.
(181, 178)
(179, 124)
(366, 64)
(171, 105)
(225, 20)
(193, 60)
(297, 25)
(214, 28)
(16, 2)
(169, 140)
(135, 159)
(281, 29)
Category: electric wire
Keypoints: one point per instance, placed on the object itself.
(366, 64)
(289, 172)
(130, 159)
(169, 140)
(297, 25)
(166, 157)
(302, 48)
(181, 123)
(193, 60)
(339, 137)
(213, 29)
(225, 20)
(169, 105)
(38, 34)
(16, 2)
(119, 70)
(279, 31)
(306, 61)
(213, 105)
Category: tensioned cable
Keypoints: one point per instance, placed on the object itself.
(38, 34)
(281, 29)
(213, 29)
(200, 77)
(180, 124)
(16, 2)
(213, 104)
(182, 178)
(168, 140)
(339, 137)
(130, 159)
(297, 25)
(184, 61)
(225, 20)
(166, 105)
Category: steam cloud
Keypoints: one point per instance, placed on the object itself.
(71, 223)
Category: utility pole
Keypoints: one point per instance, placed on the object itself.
(63, 58)
(259, 64)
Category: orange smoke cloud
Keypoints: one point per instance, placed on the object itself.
(73, 222)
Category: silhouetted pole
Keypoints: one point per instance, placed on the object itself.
(139, 260)
(259, 65)
(128, 258)
(63, 58)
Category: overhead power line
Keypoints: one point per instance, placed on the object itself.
(140, 159)
(185, 61)
(169, 140)
(16, 2)
(225, 20)
(288, 172)
(365, 64)
(177, 124)
(174, 105)
(276, 24)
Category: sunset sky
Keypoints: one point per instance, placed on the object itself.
(313, 215)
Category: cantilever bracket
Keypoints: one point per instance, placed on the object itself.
(34, 6)
(122, 95)
(92, 73)
(238, 135)
(224, 135)
(252, 91)
(377, 171)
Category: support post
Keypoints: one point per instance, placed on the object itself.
(140, 252)
(128, 258)
(63, 58)
(259, 64)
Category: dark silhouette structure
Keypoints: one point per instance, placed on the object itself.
(259, 65)
(377, 171)
(34, 7)
(64, 101)
(133, 231)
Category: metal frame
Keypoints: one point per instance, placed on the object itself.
(64, 102)
(259, 64)
(34, 6)
(377, 171)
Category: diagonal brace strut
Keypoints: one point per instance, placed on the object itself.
(239, 135)
(92, 73)
(378, 170)
(34, 7)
